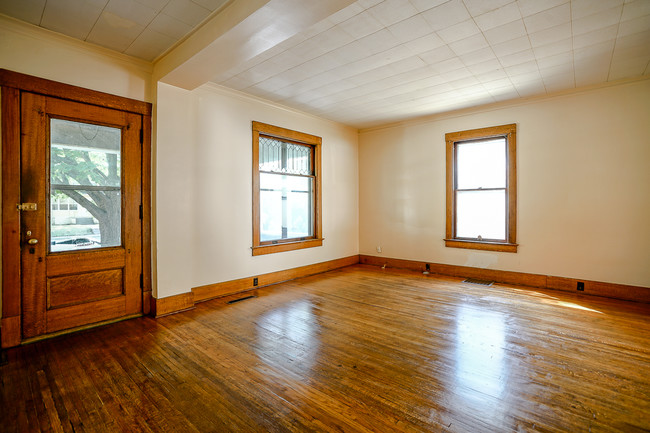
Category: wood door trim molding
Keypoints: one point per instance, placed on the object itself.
(13, 83)
(592, 288)
(69, 92)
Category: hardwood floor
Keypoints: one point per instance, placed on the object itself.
(358, 349)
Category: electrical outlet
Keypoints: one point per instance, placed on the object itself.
(254, 281)
(378, 249)
(581, 286)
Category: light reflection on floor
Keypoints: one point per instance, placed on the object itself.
(287, 336)
(480, 345)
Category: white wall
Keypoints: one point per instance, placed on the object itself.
(204, 188)
(35, 51)
(583, 167)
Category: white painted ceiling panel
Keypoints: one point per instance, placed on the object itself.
(378, 61)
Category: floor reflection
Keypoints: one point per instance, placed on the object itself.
(480, 353)
(287, 336)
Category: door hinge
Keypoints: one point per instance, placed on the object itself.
(141, 281)
(140, 211)
(141, 135)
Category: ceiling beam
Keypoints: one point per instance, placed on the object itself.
(238, 33)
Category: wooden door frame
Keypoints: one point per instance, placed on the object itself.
(12, 85)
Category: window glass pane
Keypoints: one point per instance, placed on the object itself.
(481, 213)
(481, 164)
(285, 207)
(282, 157)
(85, 172)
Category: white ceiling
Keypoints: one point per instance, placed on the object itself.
(139, 28)
(379, 61)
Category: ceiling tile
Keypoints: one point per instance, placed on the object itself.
(595, 37)
(527, 78)
(437, 55)
(597, 21)
(549, 36)
(390, 12)
(448, 65)
(156, 5)
(114, 32)
(26, 10)
(169, 26)
(635, 9)
(517, 58)
(478, 56)
(459, 31)
(346, 13)
(548, 18)
(498, 84)
(361, 25)
(132, 11)
(410, 29)
(71, 17)
(423, 5)
(637, 25)
(562, 46)
(149, 45)
(584, 8)
(503, 15)
(447, 14)
(505, 32)
(495, 75)
(186, 11)
(531, 7)
(484, 67)
(469, 45)
(522, 68)
(424, 44)
(479, 7)
(211, 5)
(555, 60)
(378, 42)
(511, 47)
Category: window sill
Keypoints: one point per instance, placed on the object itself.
(481, 245)
(286, 246)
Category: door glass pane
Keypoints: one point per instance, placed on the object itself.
(85, 186)
(481, 213)
(286, 209)
(481, 164)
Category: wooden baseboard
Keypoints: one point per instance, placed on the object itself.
(10, 331)
(210, 291)
(172, 304)
(592, 288)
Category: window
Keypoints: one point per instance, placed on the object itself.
(481, 189)
(286, 190)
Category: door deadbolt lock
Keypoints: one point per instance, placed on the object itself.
(26, 206)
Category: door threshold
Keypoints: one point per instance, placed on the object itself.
(78, 328)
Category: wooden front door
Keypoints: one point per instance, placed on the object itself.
(81, 187)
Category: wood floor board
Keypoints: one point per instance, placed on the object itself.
(357, 349)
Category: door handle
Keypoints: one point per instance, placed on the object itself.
(32, 241)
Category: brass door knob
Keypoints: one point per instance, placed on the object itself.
(32, 241)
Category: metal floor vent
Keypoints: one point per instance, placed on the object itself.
(479, 282)
(242, 299)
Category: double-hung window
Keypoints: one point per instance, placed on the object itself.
(286, 190)
(481, 189)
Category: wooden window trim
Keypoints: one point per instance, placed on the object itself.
(261, 248)
(510, 132)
